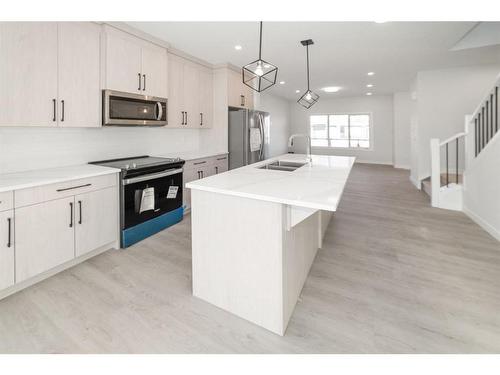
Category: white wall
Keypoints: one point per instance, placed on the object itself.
(444, 97)
(279, 109)
(381, 108)
(33, 148)
(402, 124)
(482, 188)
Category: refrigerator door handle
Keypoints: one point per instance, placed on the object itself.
(261, 128)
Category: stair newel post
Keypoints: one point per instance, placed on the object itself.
(435, 172)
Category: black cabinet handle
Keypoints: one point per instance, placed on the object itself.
(186, 118)
(216, 170)
(139, 74)
(71, 214)
(242, 100)
(144, 77)
(9, 220)
(199, 175)
(201, 119)
(80, 208)
(200, 162)
(73, 187)
(62, 110)
(54, 109)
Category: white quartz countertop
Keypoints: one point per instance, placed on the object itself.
(191, 155)
(28, 179)
(318, 185)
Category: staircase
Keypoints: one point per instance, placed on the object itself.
(452, 158)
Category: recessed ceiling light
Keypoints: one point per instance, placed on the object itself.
(369, 85)
(238, 47)
(371, 73)
(331, 89)
(368, 93)
(282, 82)
(297, 91)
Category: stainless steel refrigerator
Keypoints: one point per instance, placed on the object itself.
(248, 136)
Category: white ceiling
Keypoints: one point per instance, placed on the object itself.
(342, 55)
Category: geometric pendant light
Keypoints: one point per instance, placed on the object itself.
(259, 74)
(309, 98)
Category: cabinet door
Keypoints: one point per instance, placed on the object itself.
(154, 70)
(205, 97)
(199, 171)
(79, 74)
(248, 95)
(175, 92)
(96, 219)
(220, 164)
(191, 94)
(123, 62)
(234, 91)
(44, 237)
(6, 249)
(28, 73)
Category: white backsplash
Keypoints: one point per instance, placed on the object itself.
(24, 149)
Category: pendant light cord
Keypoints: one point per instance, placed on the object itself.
(307, 53)
(260, 42)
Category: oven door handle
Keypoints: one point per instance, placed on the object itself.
(151, 176)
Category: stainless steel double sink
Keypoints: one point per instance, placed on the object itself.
(280, 165)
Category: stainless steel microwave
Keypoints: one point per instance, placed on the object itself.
(126, 109)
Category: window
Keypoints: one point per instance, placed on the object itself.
(341, 130)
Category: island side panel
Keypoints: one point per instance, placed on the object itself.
(237, 256)
(300, 245)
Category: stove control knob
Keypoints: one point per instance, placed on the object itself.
(127, 166)
(134, 165)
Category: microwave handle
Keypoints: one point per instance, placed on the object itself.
(160, 111)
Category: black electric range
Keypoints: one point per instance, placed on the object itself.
(150, 195)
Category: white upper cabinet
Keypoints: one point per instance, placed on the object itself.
(49, 74)
(239, 94)
(28, 74)
(134, 65)
(206, 97)
(190, 99)
(154, 70)
(79, 74)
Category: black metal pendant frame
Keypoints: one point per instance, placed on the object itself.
(309, 98)
(259, 75)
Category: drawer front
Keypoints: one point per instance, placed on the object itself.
(30, 196)
(6, 201)
(197, 163)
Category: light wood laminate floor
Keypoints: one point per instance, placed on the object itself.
(394, 276)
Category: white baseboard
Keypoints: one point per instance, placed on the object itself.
(482, 223)
(401, 166)
(416, 183)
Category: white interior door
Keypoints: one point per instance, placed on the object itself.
(6, 249)
(44, 237)
(96, 220)
(28, 73)
(154, 70)
(123, 62)
(79, 74)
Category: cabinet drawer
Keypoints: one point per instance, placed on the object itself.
(197, 163)
(6, 200)
(29, 196)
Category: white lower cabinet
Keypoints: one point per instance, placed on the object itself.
(91, 230)
(44, 237)
(50, 226)
(6, 249)
(201, 168)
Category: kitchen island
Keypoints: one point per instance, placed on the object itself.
(256, 231)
